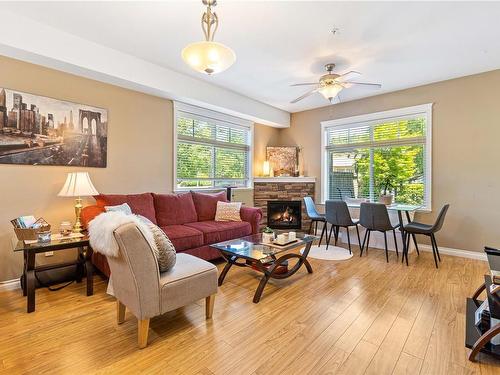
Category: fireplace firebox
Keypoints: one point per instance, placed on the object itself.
(284, 214)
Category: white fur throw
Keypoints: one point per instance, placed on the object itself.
(102, 227)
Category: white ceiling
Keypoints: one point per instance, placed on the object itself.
(278, 43)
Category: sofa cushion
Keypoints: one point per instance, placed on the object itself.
(183, 237)
(174, 209)
(141, 204)
(206, 204)
(218, 231)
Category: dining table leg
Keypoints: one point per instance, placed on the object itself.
(403, 236)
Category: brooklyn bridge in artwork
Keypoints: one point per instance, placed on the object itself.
(38, 130)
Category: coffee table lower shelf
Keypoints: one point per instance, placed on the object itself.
(473, 334)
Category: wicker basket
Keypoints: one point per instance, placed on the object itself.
(30, 234)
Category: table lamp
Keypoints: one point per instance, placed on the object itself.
(78, 184)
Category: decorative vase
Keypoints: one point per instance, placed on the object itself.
(386, 199)
(267, 237)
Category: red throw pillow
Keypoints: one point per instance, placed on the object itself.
(140, 204)
(206, 204)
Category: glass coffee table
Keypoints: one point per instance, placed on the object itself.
(271, 260)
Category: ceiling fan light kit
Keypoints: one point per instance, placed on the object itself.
(331, 91)
(331, 84)
(208, 56)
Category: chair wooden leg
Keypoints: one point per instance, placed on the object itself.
(329, 237)
(120, 312)
(368, 241)
(209, 306)
(434, 253)
(386, 249)
(348, 239)
(337, 230)
(364, 240)
(322, 233)
(433, 238)
(415, 242)
(359, 238)
(142, 332)
(311, 227)
(395, 242)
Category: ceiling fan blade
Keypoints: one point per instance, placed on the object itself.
(350, 74)
(304, 84)
(305, 95)
(350, 84)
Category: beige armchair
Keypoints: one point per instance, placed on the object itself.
(139, 286)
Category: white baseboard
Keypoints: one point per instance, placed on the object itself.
(377, 242)
(10, 284)
(456, 252)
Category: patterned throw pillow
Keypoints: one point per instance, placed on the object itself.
(165, 250)
(228, 211)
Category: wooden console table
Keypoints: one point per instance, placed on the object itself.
(478, 338)
(83, 263)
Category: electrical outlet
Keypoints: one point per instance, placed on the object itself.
(49, 253)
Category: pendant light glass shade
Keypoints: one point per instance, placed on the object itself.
(331, 91)
(208, 57)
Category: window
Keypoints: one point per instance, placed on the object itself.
(365, 156)
(212, 149)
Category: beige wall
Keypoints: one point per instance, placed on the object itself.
(140, 154)
(465, 152)
(263, 136)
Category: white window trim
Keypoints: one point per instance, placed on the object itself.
(367, 119)
(207, 113)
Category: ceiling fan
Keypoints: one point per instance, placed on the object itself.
(330, 84)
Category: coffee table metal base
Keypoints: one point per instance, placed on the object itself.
(271, 272)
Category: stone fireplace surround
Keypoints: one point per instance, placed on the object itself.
(283, 189)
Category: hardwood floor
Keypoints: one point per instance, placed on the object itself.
(361, 316)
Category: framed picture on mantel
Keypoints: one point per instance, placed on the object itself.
(284, 160)
(37, 130)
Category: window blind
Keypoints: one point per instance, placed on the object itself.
(211, 152)
(367, 158)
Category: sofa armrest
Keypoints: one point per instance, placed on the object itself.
(252, 215)
(90, 212)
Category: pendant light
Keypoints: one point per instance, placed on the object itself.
(208, 56)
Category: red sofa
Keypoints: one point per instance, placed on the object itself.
(187, 219)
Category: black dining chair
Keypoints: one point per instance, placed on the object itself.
(315, 217)
(338, 215)
(375, 217)
(414, 228)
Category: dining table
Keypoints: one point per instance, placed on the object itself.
(400, 209)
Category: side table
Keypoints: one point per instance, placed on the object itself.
(30, 250)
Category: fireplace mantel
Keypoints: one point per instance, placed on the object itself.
(299, 180)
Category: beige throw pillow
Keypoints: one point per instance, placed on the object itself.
(165, 250)
(228, 211)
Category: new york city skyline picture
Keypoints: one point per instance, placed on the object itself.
(38, 130)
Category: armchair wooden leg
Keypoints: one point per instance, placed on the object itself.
(142, 332)
(120, 312)
(209, 306)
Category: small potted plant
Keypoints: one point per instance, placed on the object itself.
(267, 235)
(386, 197)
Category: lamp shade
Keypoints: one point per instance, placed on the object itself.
(78, 184)
(208, 57)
